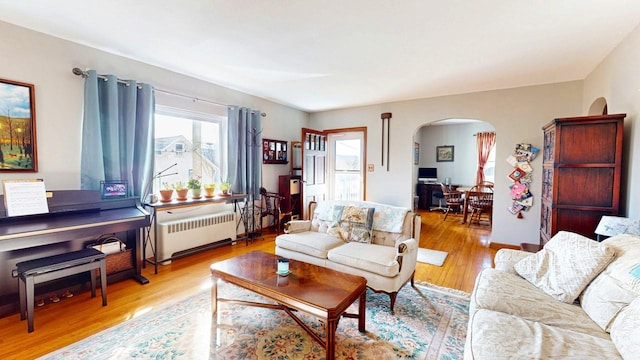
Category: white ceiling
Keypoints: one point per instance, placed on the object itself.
(317, 55)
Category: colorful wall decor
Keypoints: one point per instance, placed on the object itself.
(521, 175)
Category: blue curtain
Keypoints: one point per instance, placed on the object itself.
(244, 141)
(117, 133)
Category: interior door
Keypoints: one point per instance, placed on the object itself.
(314, 168)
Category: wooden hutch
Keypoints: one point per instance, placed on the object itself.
(582, 167)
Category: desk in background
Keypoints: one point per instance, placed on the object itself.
(425, 194)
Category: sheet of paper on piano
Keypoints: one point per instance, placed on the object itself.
(25, 197)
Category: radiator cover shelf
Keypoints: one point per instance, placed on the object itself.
(180, 236)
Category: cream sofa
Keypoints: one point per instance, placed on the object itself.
(388, 262)
(512, 318)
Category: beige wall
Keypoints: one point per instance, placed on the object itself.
(517, 115)
(46, 62)
(617, 79)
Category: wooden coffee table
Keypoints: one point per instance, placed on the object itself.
(318, 291)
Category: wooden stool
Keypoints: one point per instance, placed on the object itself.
(37, 271)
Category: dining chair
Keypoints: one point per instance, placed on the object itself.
(270, 205)
(485, 186)
(453, 200)
(480, 202)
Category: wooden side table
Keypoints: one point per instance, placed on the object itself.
(530, 247)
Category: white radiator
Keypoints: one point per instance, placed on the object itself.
(185, 234)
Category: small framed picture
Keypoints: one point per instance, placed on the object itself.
(444, 153)
(517, 174)
(416, 153)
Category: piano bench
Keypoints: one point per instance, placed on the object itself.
(36, 271)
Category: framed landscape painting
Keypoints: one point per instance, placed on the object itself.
(18, 150)
(444, 153)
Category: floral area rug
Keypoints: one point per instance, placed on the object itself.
(429, 323)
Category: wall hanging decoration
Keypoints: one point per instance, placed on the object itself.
(274, 152)
(17, 127)
(386, 116)
(521, 175)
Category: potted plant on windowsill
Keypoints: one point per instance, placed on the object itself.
(181, 190)
(225, 187)
(209, 189)
(166, 193)
(196, 187)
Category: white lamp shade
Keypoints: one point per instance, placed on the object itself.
(614, 225)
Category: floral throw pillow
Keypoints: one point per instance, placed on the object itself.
(352, 223)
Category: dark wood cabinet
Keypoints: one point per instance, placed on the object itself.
(425, 195)
(581, 172)
(289, 188)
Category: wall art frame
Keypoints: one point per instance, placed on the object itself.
(18, 145)
(274, 152)
(444, 153)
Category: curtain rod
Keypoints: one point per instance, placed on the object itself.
(84, 74)
(476, 134)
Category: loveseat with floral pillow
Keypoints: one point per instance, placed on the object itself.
(376, 241)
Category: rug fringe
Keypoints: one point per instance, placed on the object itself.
(444, 290)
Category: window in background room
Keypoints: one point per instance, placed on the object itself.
(195, 142)
(346, 154)
(490, 166)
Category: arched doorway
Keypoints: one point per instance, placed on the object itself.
(599, 107)
(460, 135)
(457, 169)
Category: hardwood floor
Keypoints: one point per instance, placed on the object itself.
(467, 247)
(72, 319)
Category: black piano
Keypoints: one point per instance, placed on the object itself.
(76, 219)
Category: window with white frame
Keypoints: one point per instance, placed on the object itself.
(346, 172)
(189, 144)
(490, 166)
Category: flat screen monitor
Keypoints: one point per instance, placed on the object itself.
(428, 174)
